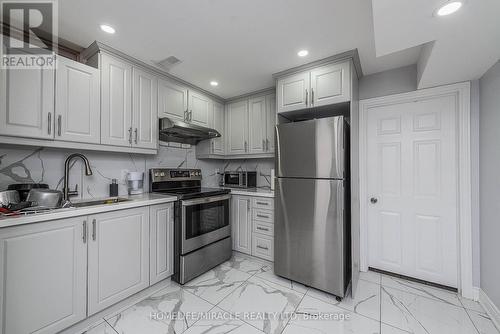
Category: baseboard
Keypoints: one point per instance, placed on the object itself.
(490, 308)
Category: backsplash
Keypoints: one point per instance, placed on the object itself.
(20, 164)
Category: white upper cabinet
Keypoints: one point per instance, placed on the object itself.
(43, 276)
(330, 84)
(293, 92)
(270, 122)
(116, 101)
(145, 109)
(173, 100)
(200, 109)
(78, 109)
(27, 103)
(217, 145)
(257, 125)
(325, 85)
(237, 127)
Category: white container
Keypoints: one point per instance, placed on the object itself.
(135, 183)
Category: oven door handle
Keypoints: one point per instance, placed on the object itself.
(204, 200)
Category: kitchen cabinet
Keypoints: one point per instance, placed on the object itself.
(161, 255)
(43, 272)
(173, 100)
(144, 109)
(237, 128)
(200, 109)
(241, 224)
(27, 103)
(116, 101)
(118, 256)
(257, 125)
(321, 86)
(270, 122)
(77, 110)
(218, 124)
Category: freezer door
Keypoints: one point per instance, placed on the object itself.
(311, 149)
(309, 233)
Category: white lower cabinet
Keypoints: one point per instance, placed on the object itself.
(118, 256)
(43, 272)
(263, 246)
(241, 224)
(161, 237)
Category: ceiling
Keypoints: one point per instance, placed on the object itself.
(241, 44)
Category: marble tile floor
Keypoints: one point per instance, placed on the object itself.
(236, 296)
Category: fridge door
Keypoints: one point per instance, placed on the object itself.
(310, 241)
(311, 149)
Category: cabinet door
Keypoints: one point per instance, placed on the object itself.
(116, 101)
(257, 125)
(200, 109)
(27, 103)
(270, 122)
(161, 242)
(293, 92)
(330, 84)
(145, 109)
(237, 128)
(241, 224)
(118, 251)
(173, 101)
(78, 105)
(217, 145)
(43, 271)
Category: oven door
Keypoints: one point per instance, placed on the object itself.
(204, 220)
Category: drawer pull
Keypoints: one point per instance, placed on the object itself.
(262, 229)
(261, 247)
(262, 203)
(262, 216)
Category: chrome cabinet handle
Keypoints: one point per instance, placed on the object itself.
(190, 115)
(267, 144)
(262, 229)
(50, 122)
(84, 237)
(307, 98)
(248, 205)
(59, 123)
(130, 135)
(93, 229)
(261, 247)
(246, 146)
(262, 216)
(263, 144)
(186, 115)
(213, 146)
(312, 97)
(136, 135)
(262, 203)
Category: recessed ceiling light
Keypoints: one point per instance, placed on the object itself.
(449, 8)
(108, 29)
(214, 83)
(302, 53)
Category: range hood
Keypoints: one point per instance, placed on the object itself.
(185, 133)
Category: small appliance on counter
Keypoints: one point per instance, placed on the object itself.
(135, 183)
(239, 179)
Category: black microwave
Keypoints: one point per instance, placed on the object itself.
(239, 179)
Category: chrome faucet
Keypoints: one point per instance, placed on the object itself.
(88, 171)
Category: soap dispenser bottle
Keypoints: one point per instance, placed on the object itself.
(113, 188)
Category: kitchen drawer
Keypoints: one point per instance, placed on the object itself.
(263, 228)
(263, 203)
(263, 215)
(263, 246)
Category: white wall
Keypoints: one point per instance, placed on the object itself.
(399, 80)
(489, 160)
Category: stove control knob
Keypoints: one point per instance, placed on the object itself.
(156, 174)
(162, 174)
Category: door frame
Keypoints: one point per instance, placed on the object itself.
(461, 91)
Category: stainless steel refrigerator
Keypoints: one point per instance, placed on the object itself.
(312, 232)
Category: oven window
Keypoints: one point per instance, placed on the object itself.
(205, 218)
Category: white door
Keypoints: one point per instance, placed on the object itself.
(218, 124)
(241, 224)
(116, 101)
(412, 189)
(78, 105)
(293, 92)
(270, 122)
(257, 125)
(161, 236)
(145, 109)
(118, 264)
(43, 276)
(330, 84)
(200, 109)
(237, 128)
(173, 100)
(27, 103)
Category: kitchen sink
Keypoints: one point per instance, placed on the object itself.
(106, 201)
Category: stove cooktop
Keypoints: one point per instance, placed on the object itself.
(195, 192)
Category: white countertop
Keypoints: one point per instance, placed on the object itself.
(259, 192)
(134, 202)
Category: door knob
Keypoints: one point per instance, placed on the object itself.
(373, 200)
